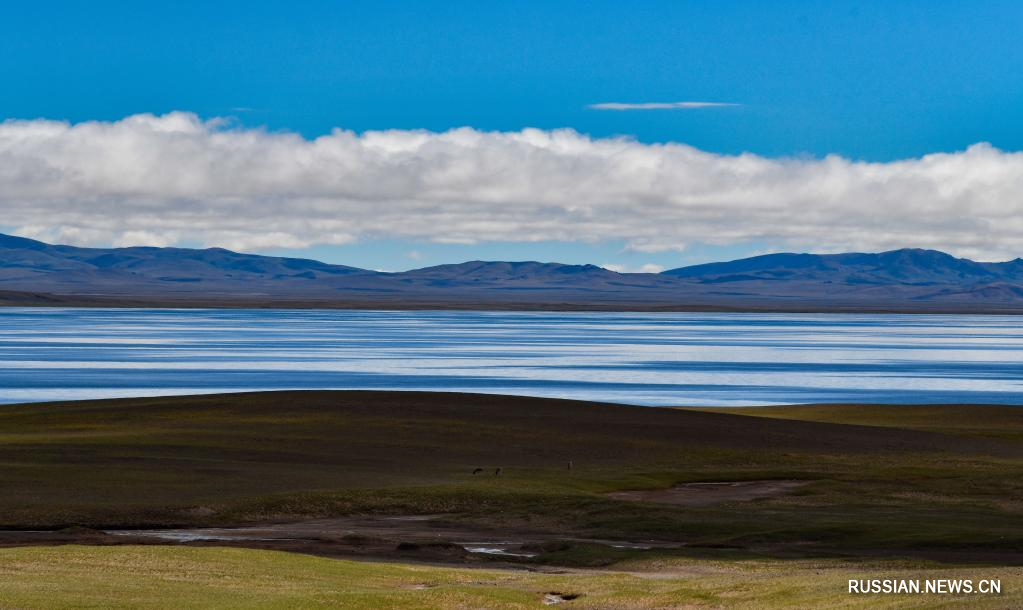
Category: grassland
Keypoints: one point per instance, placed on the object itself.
(242, 458)
(77, 577)
(986, 421)
(939, 487)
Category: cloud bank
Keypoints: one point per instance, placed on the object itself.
(174, 179)
(657, 105)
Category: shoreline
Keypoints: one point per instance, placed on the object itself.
(12, 299)
(502, 396)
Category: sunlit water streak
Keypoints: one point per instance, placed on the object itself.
(641, 358)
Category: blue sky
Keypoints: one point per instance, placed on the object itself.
(872, 81)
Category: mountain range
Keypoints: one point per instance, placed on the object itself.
(36, 273)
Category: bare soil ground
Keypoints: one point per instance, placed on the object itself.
(430, 538)
(709, 494)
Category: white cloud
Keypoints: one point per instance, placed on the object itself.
(657, 105)
(177, 179)
(647, 268)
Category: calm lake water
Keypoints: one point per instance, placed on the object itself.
(641, 358)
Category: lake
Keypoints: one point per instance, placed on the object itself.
(639, 358)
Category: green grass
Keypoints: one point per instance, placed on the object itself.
(232, 459)
(988, 421)
(925, 483)
(154, 578)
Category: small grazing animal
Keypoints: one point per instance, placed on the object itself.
(497, 472)
(477, 471)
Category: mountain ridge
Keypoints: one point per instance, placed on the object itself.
(889, 266)
(908, 279)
